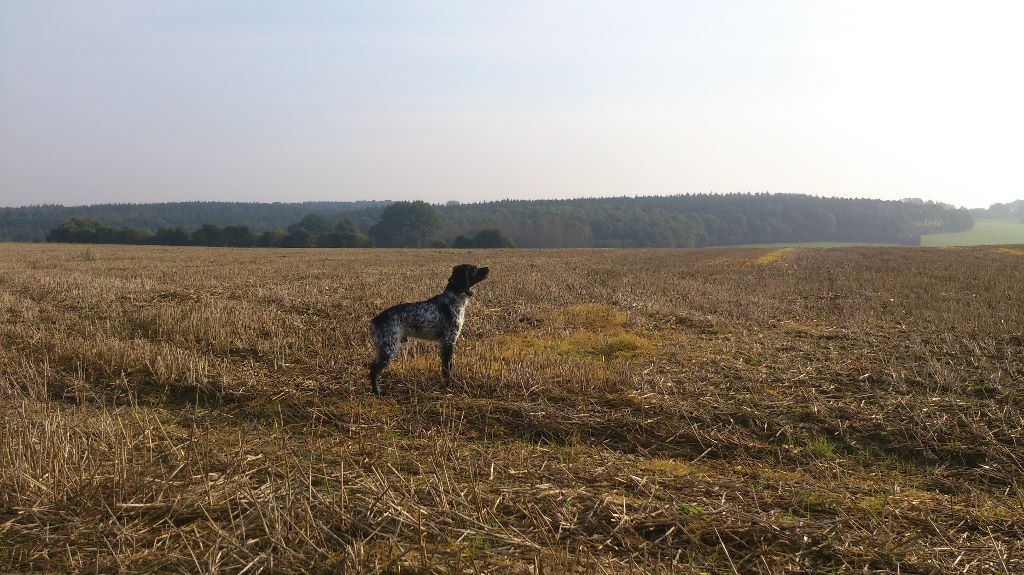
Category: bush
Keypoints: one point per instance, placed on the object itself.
(487, 238)
(493, 238)
(166, 236)
(299, 238)
(344, 240)
(271, 238)
(462, 241)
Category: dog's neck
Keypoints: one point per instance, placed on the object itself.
(458, 288)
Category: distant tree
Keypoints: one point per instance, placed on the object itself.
(462, 241)
(130, 235)
(492, 238)
(167, 236)
(343, 240)
(956, 221)
(315, 223)
(75, 230)
(208, 235)
(271, 238)
(1000, 211)
(406, 224)
(436, 243)
(1009, 211)
(299, 238)
(84, 230)
(238, 237)
(346, 226)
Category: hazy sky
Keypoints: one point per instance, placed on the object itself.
(137, 101)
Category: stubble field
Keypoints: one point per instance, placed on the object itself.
(196, 410)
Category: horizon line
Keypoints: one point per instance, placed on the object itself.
(462, 203)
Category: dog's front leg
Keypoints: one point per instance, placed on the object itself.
(447, 351)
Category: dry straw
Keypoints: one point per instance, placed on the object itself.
(667, 411)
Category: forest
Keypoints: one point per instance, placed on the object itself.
(33, 223)
(661, 221)
(1012, 211)
(705, 220)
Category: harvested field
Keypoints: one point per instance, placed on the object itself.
(191, 410)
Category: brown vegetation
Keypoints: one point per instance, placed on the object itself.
(674, 411)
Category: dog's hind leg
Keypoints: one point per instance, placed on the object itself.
(387, 348)
(375, 370)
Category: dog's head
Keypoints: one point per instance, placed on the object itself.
(465, 276)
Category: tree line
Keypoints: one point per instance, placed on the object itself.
(669, 221)
(314, 230)
(33, 223)
(705, 220)
(1001, 211)
(402, 224)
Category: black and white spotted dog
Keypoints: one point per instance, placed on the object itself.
(437, 319)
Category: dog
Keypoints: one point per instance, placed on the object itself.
(439, 318)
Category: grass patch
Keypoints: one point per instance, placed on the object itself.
(819, 446)
(692, 509)
(625, 345)
(669, 467)
(984, 233)
(773, 256)
(593, 317)
(872, 504)
(583, 344)
(591, 331)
